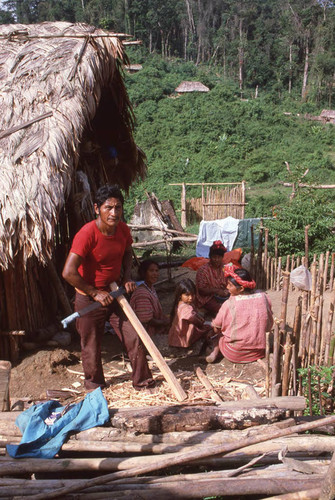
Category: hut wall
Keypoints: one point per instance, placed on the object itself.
(231, 199)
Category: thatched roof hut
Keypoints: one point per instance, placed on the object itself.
(66, 128)
(191, 87)
(328, 115)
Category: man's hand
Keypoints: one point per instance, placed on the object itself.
(103, 297)
(129, 286)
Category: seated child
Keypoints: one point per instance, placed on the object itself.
(242, 320)
(187, 325)
(145, 301)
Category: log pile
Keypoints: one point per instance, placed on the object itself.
(147, 453)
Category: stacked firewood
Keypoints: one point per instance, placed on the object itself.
(234, 448)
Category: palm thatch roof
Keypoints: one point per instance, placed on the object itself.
(191, 87)
(328, 114)
(60, 82)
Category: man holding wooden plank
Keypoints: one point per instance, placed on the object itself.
(99, 251)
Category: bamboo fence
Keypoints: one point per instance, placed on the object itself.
(309, 342)
(226, 199)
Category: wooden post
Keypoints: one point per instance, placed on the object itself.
(203, 201)
(183, 206)
(276, 360)
(319, 325)
(286, 283)
(325, 274)
(265, 265)
(259, 270)
(286, 365)
(331, 278)
(267, 361)
(149, 344)
(243, 199)
(5, 369)
(328, 332)
(252, 252)
(278, 274)
(306, 245)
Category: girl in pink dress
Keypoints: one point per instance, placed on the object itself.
(187, 325)
(242, 320)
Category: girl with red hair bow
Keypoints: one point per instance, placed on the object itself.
(242, 320)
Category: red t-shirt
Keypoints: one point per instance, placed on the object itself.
(102, 255)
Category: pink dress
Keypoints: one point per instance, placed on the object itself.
(208, 277)
(243, 320)
(146, 306)
(187, 326)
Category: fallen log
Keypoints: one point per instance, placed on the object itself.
(187, 457)
(110, 434)
(198, 489)
(195, 489)
(228, 415)
(295, 446)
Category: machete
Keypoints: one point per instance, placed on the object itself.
(95, 305)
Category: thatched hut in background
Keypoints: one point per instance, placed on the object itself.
(328, 115)
(185, 86)
(66, 128)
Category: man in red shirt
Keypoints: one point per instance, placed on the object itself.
(99, 251)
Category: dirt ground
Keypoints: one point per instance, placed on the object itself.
(50, 367)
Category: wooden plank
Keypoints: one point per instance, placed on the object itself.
(149, 344)
(5, 368)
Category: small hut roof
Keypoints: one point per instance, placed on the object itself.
(54, 75)
(133, 68)
(328, 113)
(191, 87)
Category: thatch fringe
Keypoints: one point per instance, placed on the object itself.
(38, 162)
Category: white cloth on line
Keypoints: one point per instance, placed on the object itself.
(224, 230)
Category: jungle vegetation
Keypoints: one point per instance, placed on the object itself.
(269, 66)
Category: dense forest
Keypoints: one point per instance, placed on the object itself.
(269, 65)
(279, 44)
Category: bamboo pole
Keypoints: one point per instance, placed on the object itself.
(275, 263)
(284, 298)
(243, 199)
(318, 353)
(276, 359)
(272, 273)
(328, 332)
(319, 285)
(306, 245)
(331, 278)
(259, 269)
(325, 275)
(286, 365)
(203, 201)
(278, 274)
(265, 264)
(183, 206)
(187, 457)
(252, 252)
(267, 363)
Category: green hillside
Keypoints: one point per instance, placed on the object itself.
(217, 137)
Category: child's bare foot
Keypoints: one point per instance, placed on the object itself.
(212, 357)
